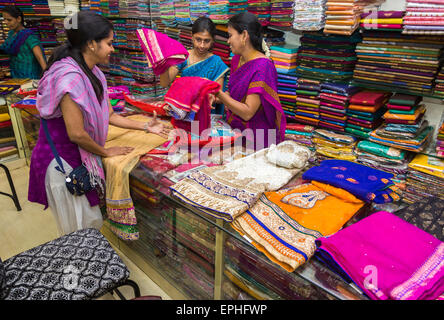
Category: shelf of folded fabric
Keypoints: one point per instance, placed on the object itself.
(201, 257)
(397, 89)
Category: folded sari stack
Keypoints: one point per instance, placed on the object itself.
(395, 60)
(221, 46)
(281, 13)
(287, 85)
(309, 15)
(405, 126)
(154, 9)
(274, 38)
(382, 20)
(342, 16)
(440, 139)
(185, 36)
(384, 158)
(300, 133)
(218, 11)
(25, 6)
(167, 12)
(365, 111)
(284, 58)
(327, 57)
(57, 7)
(424, 179)
(182, 12)
(261, 8)
(41, 8)
(404, 117)
(284, 225)
(330, 145)
(439, 84)
(335, 98)
(406, 261)
(307, 101)
(229, 190)
(424, 17)
(198, 8)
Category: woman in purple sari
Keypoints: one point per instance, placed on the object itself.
(253, 103)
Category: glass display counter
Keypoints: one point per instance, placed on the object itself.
(191, 255)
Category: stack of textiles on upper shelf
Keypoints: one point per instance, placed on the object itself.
(281, 13)
(405, 126)
(59, 30)
(398, 61)
(382, 20)
(330, 144)
(25, 6)
(221, 46)
(273, 38)
(167, 12)
(45, 29)
(185, 35)
(307, 101)
(408, 260)
(327, 57)
(335, 98)
(300, 133)
(424, 17)
(8, 146)
(440, 139)
(425, 178)
(154, 9)
(4, 66)
(342, 17)
(439, 84)
(384, 158)
(365, 111)
(57, 7)
(182, 12)
(287, 85)
(261, 8)
(218, 11)
(71, 6)
(41, 7)
(309, 15)
(123, 8)
(198, 8)
(131, 64)
(284, 58)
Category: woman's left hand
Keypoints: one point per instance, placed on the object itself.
(157, 127)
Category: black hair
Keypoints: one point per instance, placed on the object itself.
(203, 24)
(86, 26)
(15, 12)
(249, 22)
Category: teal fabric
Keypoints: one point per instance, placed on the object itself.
(25, 64)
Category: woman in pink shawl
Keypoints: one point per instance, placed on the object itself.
(252, 102)
(72, 97)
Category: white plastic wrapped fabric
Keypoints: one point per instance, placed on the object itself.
(288, 154)
(71, 212)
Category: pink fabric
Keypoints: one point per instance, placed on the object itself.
(388, 258)
(161, 51)
(66, 77)
(191, 94)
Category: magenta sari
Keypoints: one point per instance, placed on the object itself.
(257, 76)
(387, 258)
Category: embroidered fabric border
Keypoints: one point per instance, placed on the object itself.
(418, 282)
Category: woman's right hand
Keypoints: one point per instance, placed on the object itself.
(117, 151)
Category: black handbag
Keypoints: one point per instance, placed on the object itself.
(78, 180)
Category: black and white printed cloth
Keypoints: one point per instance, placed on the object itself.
(78, 266)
